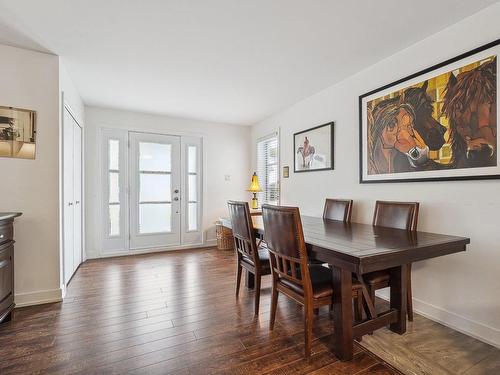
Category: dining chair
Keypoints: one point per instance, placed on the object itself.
(309, 285)
(338, 209)
(250, 255)
(399, 215)
(335, 209)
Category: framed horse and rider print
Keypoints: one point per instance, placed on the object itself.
(437, 124)
(313, 149)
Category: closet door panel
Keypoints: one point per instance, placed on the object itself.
(77, 195)
(68, 197)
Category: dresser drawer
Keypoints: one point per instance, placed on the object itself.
(6, 232)
(6, 277)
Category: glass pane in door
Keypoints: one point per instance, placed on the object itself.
(114, 154)
(192, 159)
(114, 187)
(155, 188)
(192, 216)
(192, 185)
(155, 157)
(155, 218)
(114, 219)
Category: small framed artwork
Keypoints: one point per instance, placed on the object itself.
(17, 133)
(313, 149)
(436, 124)
(286, 172)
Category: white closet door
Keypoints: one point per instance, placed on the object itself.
(72, 195)
(68, 198)
(77, 195)
(155, 197)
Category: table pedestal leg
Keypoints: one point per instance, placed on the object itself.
(342, 313)
(399, 286)
(249, 280)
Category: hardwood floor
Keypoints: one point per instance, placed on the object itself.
(176, 313)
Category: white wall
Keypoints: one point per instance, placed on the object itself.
(31, 80)
(71, 94)
(460, 290)
(225, 152)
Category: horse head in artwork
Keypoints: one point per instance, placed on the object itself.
(470, 104)
(392, 132)
(431, 131)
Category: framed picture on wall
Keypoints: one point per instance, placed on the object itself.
(313, 149)
(436, 124)
(17, 133)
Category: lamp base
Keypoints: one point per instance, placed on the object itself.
(255, 202)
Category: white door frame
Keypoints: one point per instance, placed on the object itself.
(120, 245)
(67, 107)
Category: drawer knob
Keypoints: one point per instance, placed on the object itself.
(2, 235)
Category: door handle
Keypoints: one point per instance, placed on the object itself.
(77, 202)
(176, 199)
(176, 191)
(70, 204)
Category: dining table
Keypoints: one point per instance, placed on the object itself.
(352, 250)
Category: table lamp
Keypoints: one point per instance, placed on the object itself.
(254, 188)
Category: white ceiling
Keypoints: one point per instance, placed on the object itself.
(233, 61)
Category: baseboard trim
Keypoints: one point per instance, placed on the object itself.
(38, 298)
(480, 331)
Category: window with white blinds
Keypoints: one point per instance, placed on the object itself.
(268, 169)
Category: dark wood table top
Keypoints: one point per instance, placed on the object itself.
(365, 248)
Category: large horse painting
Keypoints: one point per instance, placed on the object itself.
(441, 126)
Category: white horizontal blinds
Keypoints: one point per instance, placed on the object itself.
(268, 169)
(114, 187)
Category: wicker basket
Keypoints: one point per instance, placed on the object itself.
(225, 240)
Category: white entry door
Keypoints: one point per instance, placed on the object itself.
(155, 195)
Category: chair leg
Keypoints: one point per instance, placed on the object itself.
(274, 304)
(308, 330)
(238, 277)
(371, 292)
(409, 296)
(257, 293)
(358, 306)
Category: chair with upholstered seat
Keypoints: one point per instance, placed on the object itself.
(309, 285)
(251, 256)
(399, 215)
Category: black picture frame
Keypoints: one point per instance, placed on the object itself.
(331, 125)
(402, 80)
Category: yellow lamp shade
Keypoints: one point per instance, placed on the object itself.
(254, 185)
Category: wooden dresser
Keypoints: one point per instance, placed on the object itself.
(7, 264)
